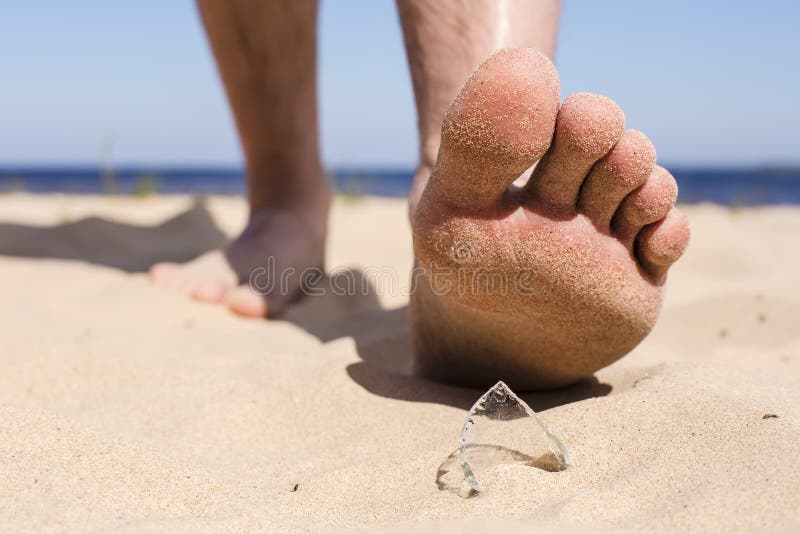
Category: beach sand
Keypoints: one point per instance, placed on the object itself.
(123, 407)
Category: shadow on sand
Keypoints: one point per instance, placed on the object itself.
(127, 247)
(384, 346)
(381, 336)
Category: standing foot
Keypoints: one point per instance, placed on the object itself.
(276, 240)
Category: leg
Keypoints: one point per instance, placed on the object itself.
(445, 41)
(543, 284)
(266, 55)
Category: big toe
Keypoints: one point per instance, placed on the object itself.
(499, 124)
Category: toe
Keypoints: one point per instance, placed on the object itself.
(162, 273)
(649, 203)
(247, 303)
(621, 171)
(210, 291)
(660, 244)
(500, 123)
(587, 127)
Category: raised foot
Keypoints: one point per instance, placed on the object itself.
(542, 285)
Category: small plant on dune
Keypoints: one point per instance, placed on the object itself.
(146, 186)
(349, 191)
(13, 184)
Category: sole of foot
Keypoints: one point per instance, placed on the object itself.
(541, 284)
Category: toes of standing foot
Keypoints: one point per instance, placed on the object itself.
(587, 127)
(649, 203)
(623, 169)
(245, 302)
(162, 273)
(660, 244)
(212, 291)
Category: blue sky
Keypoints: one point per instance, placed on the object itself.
(711, 82)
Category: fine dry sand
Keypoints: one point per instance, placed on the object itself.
(123, 407)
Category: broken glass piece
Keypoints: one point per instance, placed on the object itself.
(502, 429)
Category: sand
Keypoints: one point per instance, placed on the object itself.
(123, 407)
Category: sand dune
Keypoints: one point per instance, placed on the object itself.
(123, 407)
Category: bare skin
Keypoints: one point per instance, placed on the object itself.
(557, 278)
(265, 53)
(470, 223)
(593, 230)
(274, 101)
(446, 41)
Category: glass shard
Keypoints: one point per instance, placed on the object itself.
(502, 429)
